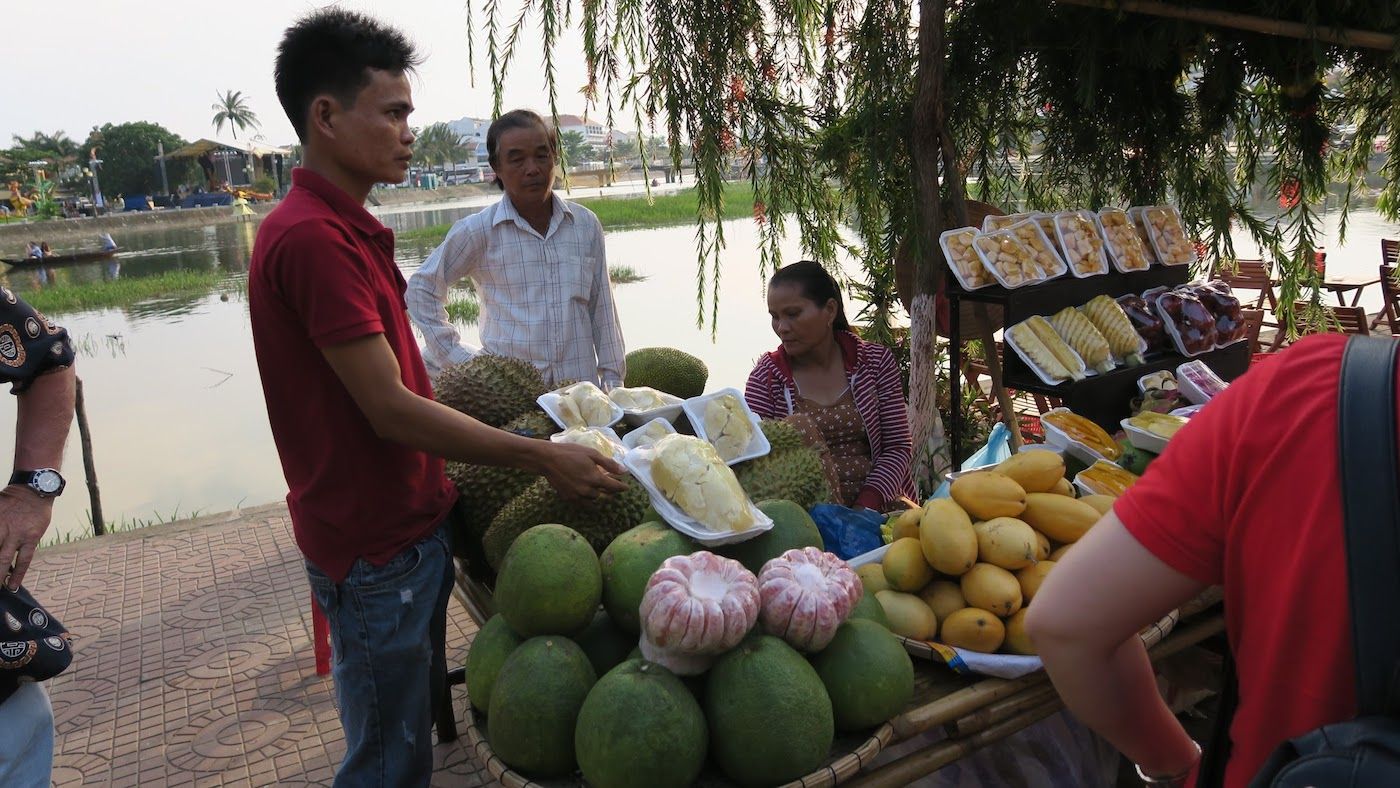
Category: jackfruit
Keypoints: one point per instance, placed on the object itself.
(491, 389)
(727, 426)
(797, 475)
(599, 521)
(690, 473)
(673, 371)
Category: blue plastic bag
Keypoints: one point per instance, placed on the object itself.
(848, 532)
(996, 449)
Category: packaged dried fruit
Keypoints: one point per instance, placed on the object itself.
(1168, 235)
(1190, 325)
(1146, 322)
(1047, 257)
(1036, 342)
(1104, 478)
(991, 224)
(1007, 258)
(1081, 242)
(1121, 238)
(1140, 224)
(962, 258)
(1080, 430)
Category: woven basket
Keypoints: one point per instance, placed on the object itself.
(849, 755)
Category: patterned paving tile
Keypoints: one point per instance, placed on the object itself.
(194, 664)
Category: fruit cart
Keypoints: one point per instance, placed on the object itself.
(973, 711)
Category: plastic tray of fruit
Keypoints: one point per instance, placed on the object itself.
(648, 433)
(962, 259)
(993, 222)
(638, 462)
(1070, 366)
(552, 403)
(1047, 256)
(637, 416)
(1104, 478)
(1011, 262)
(584, 436)
(1081, 243)
(1168, 235)
(694, 408)
(1125, 247)
(1081, 438)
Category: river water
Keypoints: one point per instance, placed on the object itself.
(173, 396)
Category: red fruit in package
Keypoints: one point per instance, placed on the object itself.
(1222, 303)
(1190, 324)
(1145, 321)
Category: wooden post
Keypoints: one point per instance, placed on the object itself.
(989, 354)
(99, 525)
(1346, 37)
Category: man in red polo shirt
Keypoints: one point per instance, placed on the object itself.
(349, 401)
(1246, 496)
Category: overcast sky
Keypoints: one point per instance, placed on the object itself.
(74, 64)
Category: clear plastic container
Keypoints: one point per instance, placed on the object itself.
(1047, 257)
(550, 402)
(1007, 259)
(573, 436)
(1124, 246)
(1140, 224)
(963, 259)
(695, 410)
(1199, 383)
(639, 416)
(1011, 338)
(992, 223)
(1081, 242)
(1061, 439)
(648, 433)
(1192, 328)
(1104, 478)
(1142, 439)
(1168, 235)
(638, 462)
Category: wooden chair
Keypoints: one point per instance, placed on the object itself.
(1390, 293)
(1347, 319)
(1254, 321)
(1249, 275)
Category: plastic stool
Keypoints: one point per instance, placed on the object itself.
(320, 638)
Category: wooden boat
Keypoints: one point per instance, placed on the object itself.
(59, 259)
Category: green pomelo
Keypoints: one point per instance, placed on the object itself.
(605, 644)
(792, 528)
(599, 521)
(869, 608)
(492, 644)
(535, 705)
(549, 583)
(628, 563)
(640, 728)
(867, 674)
(770, 718)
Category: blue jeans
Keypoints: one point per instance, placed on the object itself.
(26, 738)
(387, 626)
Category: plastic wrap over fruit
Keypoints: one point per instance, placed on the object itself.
(1229, 316)
(699, 604)
(804, 595)
(1189, 323)
(1146, 322)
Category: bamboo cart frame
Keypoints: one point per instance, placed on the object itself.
(973, 711)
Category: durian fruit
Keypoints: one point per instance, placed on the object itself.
(585, 405)
(664, 368)
(640, 398)
(727, 426)
(485, 489)
(796, 474)
(651, 432)
(489, 388)
(599, 520)
(782, 434)
(691, 474)
(591, 438)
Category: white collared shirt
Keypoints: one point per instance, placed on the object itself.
(546, 299)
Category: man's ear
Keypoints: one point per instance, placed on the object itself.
(321, 115)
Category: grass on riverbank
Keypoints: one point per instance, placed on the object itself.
(122, 292)
(619, 213)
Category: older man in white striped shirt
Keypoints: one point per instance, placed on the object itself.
(539, 266)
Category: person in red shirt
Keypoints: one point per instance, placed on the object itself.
(1246, 497)
(350, 404)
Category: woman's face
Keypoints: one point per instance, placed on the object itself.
(800, 323)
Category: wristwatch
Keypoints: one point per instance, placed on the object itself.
(45, 482)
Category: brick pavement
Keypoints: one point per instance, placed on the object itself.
(193, 660)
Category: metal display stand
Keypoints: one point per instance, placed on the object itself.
(1103, 399)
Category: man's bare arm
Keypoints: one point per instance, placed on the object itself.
(41, 430)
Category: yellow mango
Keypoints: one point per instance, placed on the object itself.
(872, 577)
(1042, 551)
(1035, 471)
(907, 524)
(988, 494)
(1031, 577)
(947, 538)
(992, 588)
(908, 615)
(1060, 518)
(1103, 503)
(1063, 487)
(974, 630)
(944, 598)
(1006, 542)
(1017, 641)
(905, 567)
(1059, 552)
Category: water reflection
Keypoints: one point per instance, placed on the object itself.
(172, 388)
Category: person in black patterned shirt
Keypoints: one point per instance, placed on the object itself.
(36, 358)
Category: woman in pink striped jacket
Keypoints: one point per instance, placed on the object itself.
(849, 387)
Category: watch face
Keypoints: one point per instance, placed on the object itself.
(48, 482)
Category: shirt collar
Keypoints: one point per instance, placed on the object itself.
(847, 341)
(505, 212)
(341, 203)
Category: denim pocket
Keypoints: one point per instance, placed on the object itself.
(367, 577)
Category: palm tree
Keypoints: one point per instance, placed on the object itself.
(438, 144)
(232, 109)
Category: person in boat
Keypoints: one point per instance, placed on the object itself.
(44, 250)
(108, 245)
(33, 250)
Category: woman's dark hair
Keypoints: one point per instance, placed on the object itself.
(331, 51)
(516, 119)
(816, 285)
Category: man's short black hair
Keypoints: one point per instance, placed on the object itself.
(331, 51)
(516, 119)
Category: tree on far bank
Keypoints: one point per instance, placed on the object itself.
(128, 153)
(232, 108)
(576, 148)
(57, 150)
(438, 144)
